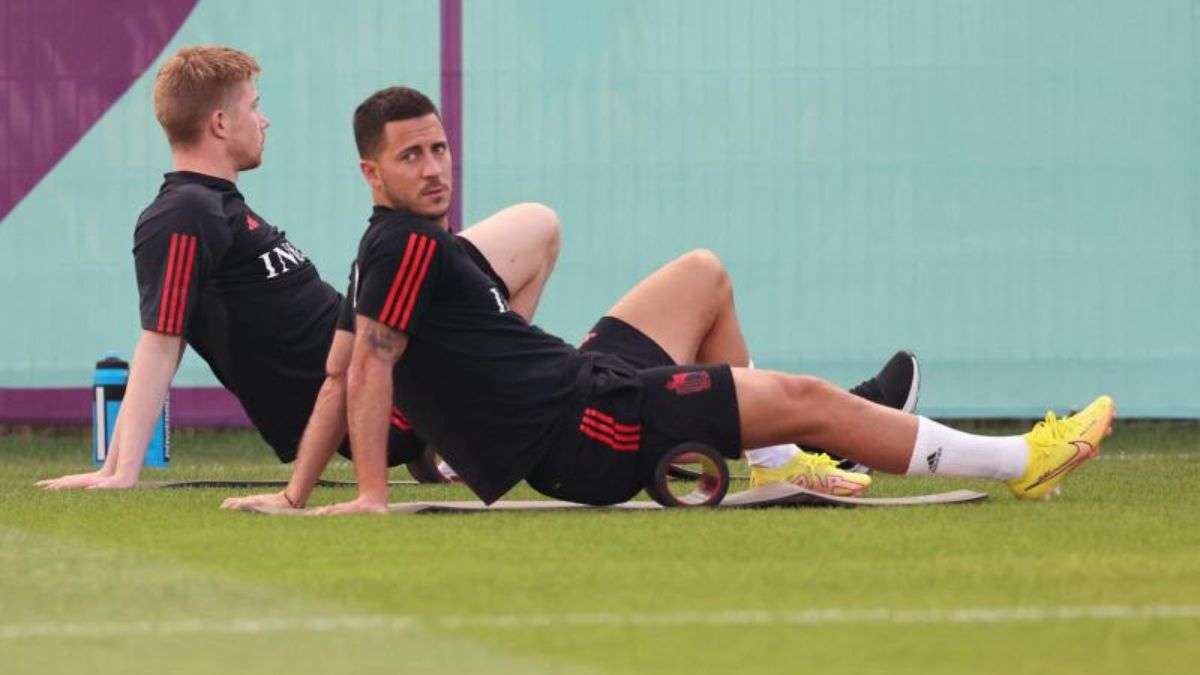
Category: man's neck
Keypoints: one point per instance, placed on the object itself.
(443, 223)
(199, 163)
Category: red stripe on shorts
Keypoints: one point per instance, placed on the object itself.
(609, 431)
(592, 412)
(620, 447)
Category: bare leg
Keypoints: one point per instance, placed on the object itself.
(686, 306)
(521, 243)
(780, 408)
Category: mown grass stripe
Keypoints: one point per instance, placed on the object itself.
(594, 619)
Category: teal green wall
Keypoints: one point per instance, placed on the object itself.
(1008, 188)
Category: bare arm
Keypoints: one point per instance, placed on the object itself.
(377, 348)
(324, 433)
(155, 361)
(327, 426)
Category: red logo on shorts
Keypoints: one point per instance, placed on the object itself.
(690, 383)
(251, 223)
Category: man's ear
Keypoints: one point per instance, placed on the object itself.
(370, 172)
(218, 123)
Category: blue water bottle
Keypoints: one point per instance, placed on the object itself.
(112, 374)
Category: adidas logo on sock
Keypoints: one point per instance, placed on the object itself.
(933, 459)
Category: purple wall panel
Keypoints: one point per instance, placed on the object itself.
(63, 63)
(192, 407)
(452, 99)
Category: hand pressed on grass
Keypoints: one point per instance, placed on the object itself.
(88, 480)
(360, 505)
(272, 499)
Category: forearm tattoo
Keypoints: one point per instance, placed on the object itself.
(386, 341)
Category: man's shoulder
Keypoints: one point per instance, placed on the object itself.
(398, 231)
(188, 205)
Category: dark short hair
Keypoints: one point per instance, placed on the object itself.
(386, 105)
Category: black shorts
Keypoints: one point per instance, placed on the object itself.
(611, 335)
(482, 263)
(632, 416)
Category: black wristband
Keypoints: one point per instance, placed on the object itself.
(291, 503)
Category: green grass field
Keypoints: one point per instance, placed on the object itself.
(1105, 579)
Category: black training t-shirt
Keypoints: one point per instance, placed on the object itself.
(404, 444)
(485, 387)
(248, 301)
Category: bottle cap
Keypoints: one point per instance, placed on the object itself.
(112, 361)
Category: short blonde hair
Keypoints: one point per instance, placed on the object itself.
(194, 82)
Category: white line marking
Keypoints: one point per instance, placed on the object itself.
(1134, 456)
(100, 440)
(252, 626)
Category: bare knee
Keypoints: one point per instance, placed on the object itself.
(810, 396)
(705, 267)
(545, 224)
(803, 388)
(703, 261)
(539, 214)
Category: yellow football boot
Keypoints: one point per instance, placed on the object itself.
(816, 472)
(1059, 446)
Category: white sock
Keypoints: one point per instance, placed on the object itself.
(447, 470)
(943, 451)
(771, 456)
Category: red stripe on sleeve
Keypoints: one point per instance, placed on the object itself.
(412, 297)
(187, 283)
(422, 244)
(175, 283)
(162, 303)
(400, 273)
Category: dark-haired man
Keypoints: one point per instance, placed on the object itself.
(504, 401)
